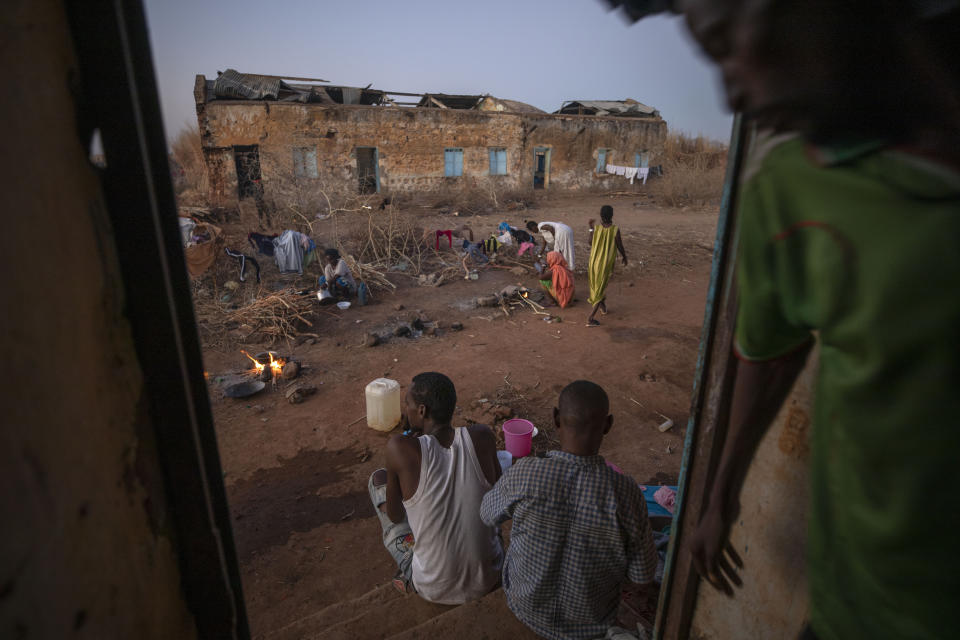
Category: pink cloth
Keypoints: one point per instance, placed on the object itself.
(666, 498)
(524, 246)
(445, 232)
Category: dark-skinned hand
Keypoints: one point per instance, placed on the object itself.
(713, 556)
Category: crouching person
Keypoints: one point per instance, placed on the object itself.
(580, 529)
(428, 499)
(336, 277)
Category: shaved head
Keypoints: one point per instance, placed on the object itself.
(583, 405)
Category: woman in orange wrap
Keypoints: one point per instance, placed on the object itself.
(557, 279)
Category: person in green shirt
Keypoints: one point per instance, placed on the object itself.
(849, 235)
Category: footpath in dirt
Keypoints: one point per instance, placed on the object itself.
(296, 474)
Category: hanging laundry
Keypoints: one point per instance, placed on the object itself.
(288, 252)
(612, 169)
(631, 174)
(621, 171)
(242, 259)
(642, 173)
(261, 243)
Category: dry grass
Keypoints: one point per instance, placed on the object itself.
(693, 171)
(480, 195)
(190, 179)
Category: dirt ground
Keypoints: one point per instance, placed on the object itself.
(296, 475)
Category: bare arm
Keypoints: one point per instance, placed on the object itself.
(399, 458)
(759, 390)
(485, 444)
(543, 240)
(623, 252)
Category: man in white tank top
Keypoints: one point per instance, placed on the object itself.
(428, 499)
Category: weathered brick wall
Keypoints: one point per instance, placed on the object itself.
(410, 144)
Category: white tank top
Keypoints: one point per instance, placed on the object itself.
(456, 557)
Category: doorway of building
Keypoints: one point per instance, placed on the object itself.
(247, 160)
(541, 167)
(368, 170)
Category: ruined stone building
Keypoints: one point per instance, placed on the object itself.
(261, 134)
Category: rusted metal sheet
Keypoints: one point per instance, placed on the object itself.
(769, 535)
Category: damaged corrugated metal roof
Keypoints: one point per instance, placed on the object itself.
(233, 85)
(618, 108)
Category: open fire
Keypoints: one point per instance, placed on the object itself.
(260, 369)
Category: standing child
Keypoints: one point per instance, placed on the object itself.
(604, 245)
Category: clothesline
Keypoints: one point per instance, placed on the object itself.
(629, 172)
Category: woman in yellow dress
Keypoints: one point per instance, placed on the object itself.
(604, 245)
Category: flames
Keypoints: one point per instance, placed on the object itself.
(275, 364)
(257, 366)
(525, 294)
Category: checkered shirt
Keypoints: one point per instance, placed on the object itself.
(580, 529)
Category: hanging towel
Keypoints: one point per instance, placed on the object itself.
(621, 171)
(611, 169)
(631, 173)
(288, 252)
(643, 172)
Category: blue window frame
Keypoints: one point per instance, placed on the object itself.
(602, 160)
(453, 163)
(498, 161)
(641, 159)
(305, 162)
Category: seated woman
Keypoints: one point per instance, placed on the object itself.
(336, 276)
(557, 279)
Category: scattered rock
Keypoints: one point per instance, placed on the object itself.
(519, 271)
(299, 391)
(429, 280)
(488, 301)
(309, 341)
(258, 408)
(456, 326)
(509, 291)
(401, 331)
(371, 340)
(398, 307)
(291, 370)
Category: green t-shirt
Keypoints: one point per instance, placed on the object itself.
(863, 247)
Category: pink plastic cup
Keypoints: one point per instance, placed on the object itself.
(517, 436)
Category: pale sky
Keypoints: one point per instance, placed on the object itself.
(537, 51)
